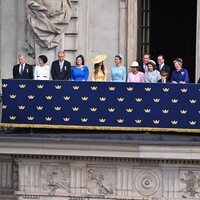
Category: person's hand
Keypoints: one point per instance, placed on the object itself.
(182, 82)
(174, 82)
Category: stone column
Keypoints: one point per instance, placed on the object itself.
(132, 32)
(198, 42)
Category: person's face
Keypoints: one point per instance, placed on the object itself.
(150, 67)
(117, 61)
(160, 60)
(177, 65)
(21, 60)
(79, 61)
(146, 59)
(40, 61)
(163, 76)
(134, 69)
(61, 56)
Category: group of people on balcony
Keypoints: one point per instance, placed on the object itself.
(61, 69)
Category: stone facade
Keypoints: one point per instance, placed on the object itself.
(60, 178)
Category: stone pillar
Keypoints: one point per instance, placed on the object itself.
(198, 42)
(132, 31)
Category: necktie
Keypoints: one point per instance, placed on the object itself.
(60, 67)
(21, 69)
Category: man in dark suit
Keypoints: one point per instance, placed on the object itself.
(61, 69)
(162, 66)
(22, 70)
(143, 65)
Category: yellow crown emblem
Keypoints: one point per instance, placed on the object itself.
(93, 109)
(49, 97)
(4, 107)
(76, 87)
(193, 101)
(39, 107)
(129, 89)
(112, 88)
(129, 110)
(4, 85)
(22, 86)
(184, 90)
(75, 109)
(183, 112)
(192, 123)
(67, 98)
(31, 97)
(12, 117)
(66, 119)
(84, 98)
(148, 89)
(58, 87)
(40, 86)
(94, 88)
(13, 96)
(111, 109)
(84, 120)
(57, 108)
(147, 110)
(120, 121)
(165, 111)
(174, 122)
(138, 121)
(102, 99)
(30, 118)
(102, 120)
(139, 100)
(165, 89)
(156, 121)
(156, 100)
(48, 119)
(174, 100)
(120, 99)
(21, 107)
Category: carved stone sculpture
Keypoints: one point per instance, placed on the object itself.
(47, 21)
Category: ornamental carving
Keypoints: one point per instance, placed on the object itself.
(147, 183)
(191, 188)
(55, 179)
(99, 183)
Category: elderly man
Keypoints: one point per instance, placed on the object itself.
(61, 68)
(22, 70)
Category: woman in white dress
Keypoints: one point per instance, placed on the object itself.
(42, 71)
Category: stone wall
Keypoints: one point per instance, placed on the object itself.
(61, 178)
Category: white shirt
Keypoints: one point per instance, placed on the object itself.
(42, 73)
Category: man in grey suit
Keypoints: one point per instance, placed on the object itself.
(61, 68)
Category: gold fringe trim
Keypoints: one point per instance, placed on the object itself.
(103, 128)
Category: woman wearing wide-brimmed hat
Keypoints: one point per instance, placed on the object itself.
(100, 73)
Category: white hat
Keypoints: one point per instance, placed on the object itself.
(135, 64)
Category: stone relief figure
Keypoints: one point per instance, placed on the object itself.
(47, 21)
(192, 188)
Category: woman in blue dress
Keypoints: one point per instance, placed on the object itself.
(118, 72)
(80, 71)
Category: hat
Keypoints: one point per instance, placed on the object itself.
(152, 62)
(178, 60)
(135, 64)
(99, 58)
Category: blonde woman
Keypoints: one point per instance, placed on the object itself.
(100, 73)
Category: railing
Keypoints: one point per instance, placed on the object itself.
(102, 106)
